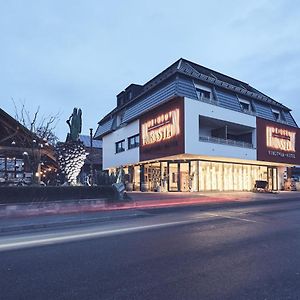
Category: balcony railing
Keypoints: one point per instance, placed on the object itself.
(216, 140)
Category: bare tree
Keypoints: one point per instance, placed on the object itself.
(41, 125)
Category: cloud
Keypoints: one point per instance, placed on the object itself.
(61, 54)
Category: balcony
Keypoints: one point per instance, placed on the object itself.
(229, 142)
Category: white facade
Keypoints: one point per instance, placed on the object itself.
(111, 159)
(193, 109)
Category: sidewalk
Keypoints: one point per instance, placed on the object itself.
(42, 215)
(179, 198)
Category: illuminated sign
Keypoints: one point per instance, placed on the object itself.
(277, 143)
(161, 128)
(281, 139)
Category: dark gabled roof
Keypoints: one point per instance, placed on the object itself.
(17, 126)
(87, 141)
(227, 82)
(196, 71)
(11, 129)
(152, 83)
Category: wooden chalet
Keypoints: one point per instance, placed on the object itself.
(24, 157)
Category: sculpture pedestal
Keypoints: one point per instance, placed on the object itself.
(71, 156)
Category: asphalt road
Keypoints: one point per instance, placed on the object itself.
(248, 252)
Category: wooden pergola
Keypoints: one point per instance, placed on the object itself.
(23, 153)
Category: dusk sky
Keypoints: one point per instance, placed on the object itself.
(64, 54)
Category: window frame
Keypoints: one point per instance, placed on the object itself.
(245, 102)
(201, 90)
(136, 144)
(201, 93)
(276, 112)
(120, 149)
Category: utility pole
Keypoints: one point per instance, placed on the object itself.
(91, 157)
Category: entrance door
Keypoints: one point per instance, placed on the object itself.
(273, 178)
(173, 177)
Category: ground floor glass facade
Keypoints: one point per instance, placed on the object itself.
(199, 176)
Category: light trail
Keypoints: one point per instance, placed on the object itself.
(40, 241)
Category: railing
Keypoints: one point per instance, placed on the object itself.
(216, 140)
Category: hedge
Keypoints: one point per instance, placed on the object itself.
(25, 194)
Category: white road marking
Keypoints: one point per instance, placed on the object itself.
(33, 241)
(230, 217)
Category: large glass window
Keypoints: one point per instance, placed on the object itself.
(247, 182)
(184, 177)
(204, 176)
(136, 178)
(10, 164)
(173, 177)
(2, 163)
(219, 177)
(275, 179)
(164, 176)
(205, 181)
(213, 176)
(228, 177)
(152, 176)
(19, 165)
(194, 176)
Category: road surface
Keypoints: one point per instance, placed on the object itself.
(246, 252)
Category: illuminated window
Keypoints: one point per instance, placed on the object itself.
(134, 141)
(2, 164)
(120, 146)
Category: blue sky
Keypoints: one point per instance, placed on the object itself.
(64, 54)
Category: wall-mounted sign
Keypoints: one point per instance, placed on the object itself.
(161, 130)
(277, 142)
(281, 139)
(162, 127)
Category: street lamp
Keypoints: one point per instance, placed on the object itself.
(37, 157)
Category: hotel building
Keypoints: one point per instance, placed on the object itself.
(194, 129)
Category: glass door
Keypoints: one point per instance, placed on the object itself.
(173, 177)
(273, 178)
(185, 177)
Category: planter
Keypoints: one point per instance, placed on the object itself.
(129, 187)
(144, 187)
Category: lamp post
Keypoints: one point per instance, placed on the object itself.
(91, 157)
(36, 161)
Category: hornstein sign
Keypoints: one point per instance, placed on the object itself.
(164, 127)
(277, 142)
(161, 131)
